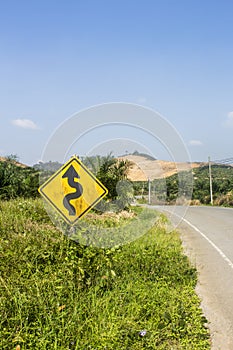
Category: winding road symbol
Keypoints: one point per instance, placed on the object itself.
(73, 190)
(72, 174)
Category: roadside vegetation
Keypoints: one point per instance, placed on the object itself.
(167, 189)
(24, 181)
(222, 183)
(57, 294)
(17, 180)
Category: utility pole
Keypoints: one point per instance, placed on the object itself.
(211, 188)
(149, 191)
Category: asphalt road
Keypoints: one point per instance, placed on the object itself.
(207, 235)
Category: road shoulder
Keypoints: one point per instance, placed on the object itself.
(209, 278)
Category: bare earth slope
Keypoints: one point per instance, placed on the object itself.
(143, 168)
(2, 159)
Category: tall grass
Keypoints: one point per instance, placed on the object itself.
(57, 294)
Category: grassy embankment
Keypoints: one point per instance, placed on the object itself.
(56, 294)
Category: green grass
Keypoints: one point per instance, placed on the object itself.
(57, 294)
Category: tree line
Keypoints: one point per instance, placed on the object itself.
(169, 189)
(22, 181)
(17, 180)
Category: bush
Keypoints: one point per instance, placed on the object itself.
(16, 180)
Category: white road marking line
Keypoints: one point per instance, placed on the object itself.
(229, 262)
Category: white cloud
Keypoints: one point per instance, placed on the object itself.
(229, 121)
(195, 143)
(25, 124)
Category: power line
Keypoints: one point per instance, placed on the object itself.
(223, 161)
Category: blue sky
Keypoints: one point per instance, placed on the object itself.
(59, 57)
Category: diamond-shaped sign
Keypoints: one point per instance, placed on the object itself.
(73, 190)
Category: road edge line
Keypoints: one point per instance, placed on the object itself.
(229, 262)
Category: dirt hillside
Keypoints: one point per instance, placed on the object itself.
(2, 159)
(143, 168)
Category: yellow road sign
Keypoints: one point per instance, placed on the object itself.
(73, 190)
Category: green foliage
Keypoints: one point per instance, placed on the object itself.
(222, 183)
(16, 180)
(113, 174)
(108, 176)
(56, 294)
(178, 186)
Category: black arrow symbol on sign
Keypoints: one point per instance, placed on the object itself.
(71, 174)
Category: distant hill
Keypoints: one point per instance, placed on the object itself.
(143, 167)
(48, 166)
(145, 155)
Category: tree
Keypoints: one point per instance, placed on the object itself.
(113, 174)
(16, 180)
